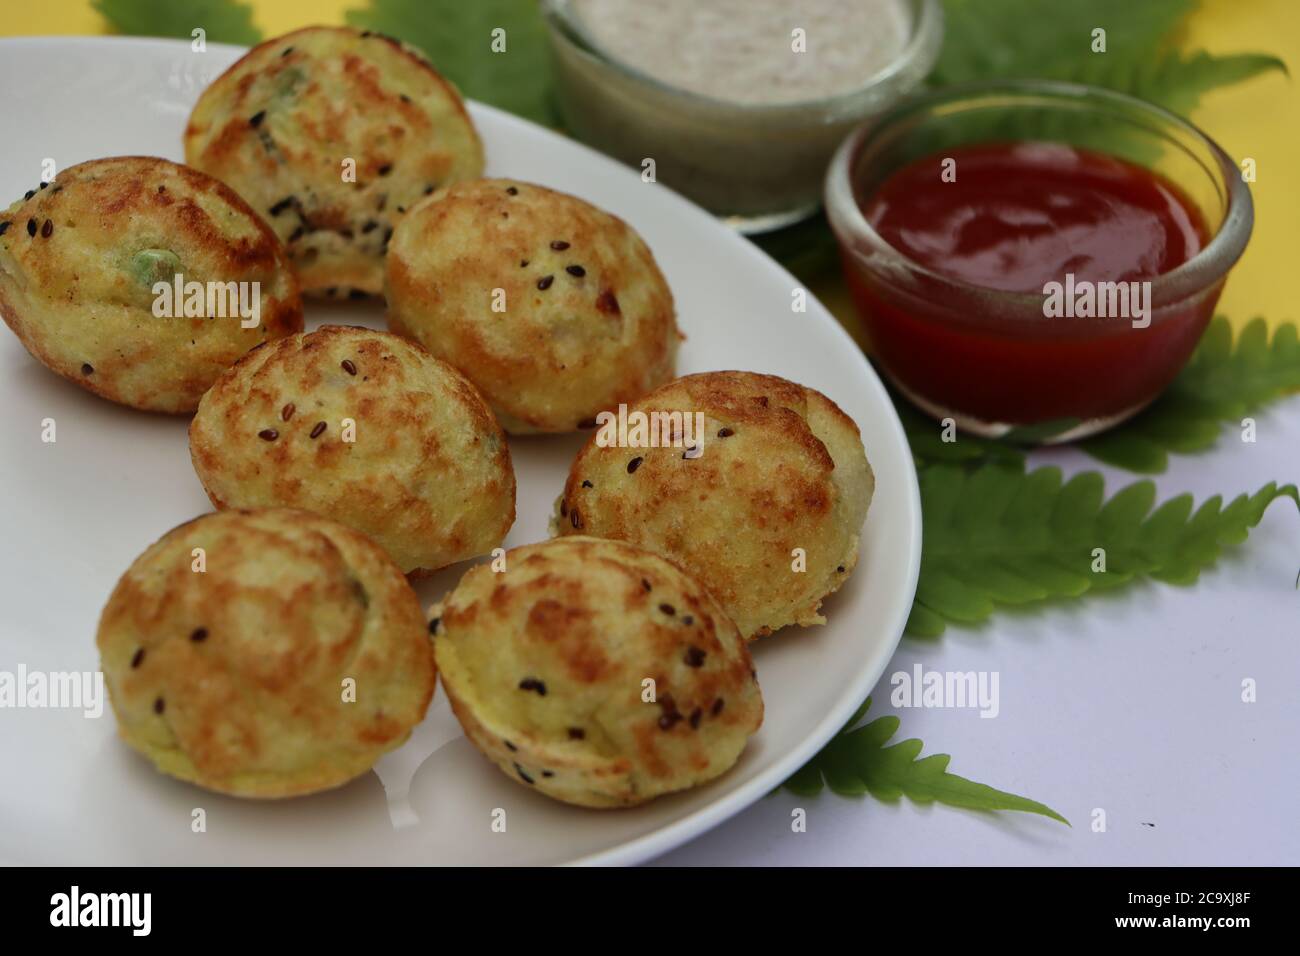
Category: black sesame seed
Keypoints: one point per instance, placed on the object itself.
(429, 189)
(385, 169)
(287, 51)
(559, 245)
(696, 714)
(286, 413)
(3, 227)
(840, 569)
(297, 234)
(577, 733)
(318, 430)
(87, 368)
(544, 282)
(548, 773)
(509, 746)
(688, 620)
(532, 683)
(694, 657)
(433, 625)
(523, 263)
(564, 508)
(575, 519)
(576, 271)
(43, 184)
(31, 227)
(634, 464)
(356, 295)
(29, 194)
(587, 484)
(717, 707)
(268, 434)
(366, 33)
(645, 584)
(199, 634)
(256, 119)
(725, 433)
(137, 658)
(523, 776)
(47, 229)
(512, 190)
(370, 226)
(282, 205)
(349, 366)
(668, 609)
(668, 720)
(404, 98)
(159, 705)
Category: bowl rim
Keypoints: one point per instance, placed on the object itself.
(917, 57)
(1199, 273)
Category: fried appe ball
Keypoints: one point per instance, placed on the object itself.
(596, 672)
(368, 429)
(555, 309)
(765, 509)
(88, 267)
(229, 648)
(333, 133)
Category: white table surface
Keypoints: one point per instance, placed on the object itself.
(1128, 702)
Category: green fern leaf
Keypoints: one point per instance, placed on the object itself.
(857, 762)
(223, 21)
(1223, 382)
(457, 36)
(999, 535)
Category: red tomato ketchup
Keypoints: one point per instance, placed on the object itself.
(992, 228)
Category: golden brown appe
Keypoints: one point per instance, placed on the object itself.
(80, 259)
(766, 514)
(555, 309)
(548, 666)
(365, 428)
(332, 133)
(287, 662)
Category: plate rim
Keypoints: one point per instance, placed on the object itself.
(669, 836)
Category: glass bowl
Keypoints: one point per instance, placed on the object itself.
(992, 360)
(759, 167)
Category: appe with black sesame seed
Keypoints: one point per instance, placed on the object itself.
(79, 280)
(596, 672)
(366, 428)
(331, 132)
(288, 662)
(766, 510)
(555, 309)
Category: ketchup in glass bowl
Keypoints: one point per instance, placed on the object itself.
(1034, 253)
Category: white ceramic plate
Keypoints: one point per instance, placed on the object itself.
(75, 513)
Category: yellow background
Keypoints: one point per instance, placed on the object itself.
(1258, 119)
